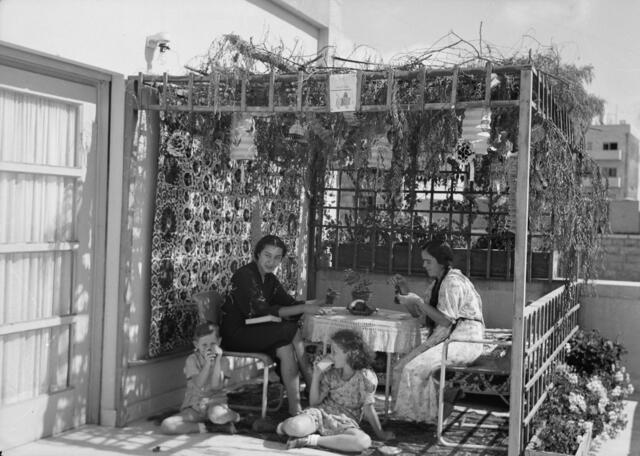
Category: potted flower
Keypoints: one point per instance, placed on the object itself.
(359, 283)
(585, 400)
(565, 437)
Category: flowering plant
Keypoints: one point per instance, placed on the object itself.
(591, 387)
(360, 283)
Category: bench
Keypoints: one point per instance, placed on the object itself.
(489, 375)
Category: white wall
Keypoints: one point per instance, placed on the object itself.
(111, 34)
(614, 310)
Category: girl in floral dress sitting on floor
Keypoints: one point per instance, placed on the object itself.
(342, 391)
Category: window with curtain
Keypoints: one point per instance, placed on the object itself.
(38, 185)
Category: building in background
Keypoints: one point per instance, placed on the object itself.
(616, 150)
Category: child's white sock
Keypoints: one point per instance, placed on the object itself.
(202, 428)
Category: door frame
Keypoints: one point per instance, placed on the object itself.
(105, 325)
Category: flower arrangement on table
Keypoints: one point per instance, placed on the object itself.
(590, 387)
(360, 292)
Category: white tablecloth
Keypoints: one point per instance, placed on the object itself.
(384, 331)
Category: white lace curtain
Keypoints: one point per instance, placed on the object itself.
(38, 137)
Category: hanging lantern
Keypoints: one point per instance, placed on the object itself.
(296, 131)
(476, 128)
(243, 146)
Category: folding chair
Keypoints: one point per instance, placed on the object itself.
(488, 375)
(209, 304)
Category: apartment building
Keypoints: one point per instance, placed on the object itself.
(615, 149)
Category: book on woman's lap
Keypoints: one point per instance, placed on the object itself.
(262, 319)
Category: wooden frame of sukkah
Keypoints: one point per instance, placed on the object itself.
(541, 329)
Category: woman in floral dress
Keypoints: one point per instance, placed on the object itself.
(455, 308)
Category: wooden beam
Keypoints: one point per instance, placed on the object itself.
(520, 262)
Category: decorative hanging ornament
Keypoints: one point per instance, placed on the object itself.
(476, 128)
(463, 154)
(243, 146)
(297, 131)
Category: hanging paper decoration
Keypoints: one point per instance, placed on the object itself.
(297, 131)
(242, 145)
(476, 126)
(342, 92)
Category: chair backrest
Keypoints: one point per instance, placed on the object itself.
(209, 305)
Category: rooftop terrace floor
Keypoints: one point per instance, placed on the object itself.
(143, 438)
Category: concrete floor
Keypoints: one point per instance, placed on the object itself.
(143, 438)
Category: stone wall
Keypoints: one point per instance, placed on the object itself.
(622, 257)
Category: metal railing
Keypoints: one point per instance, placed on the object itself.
(549, 323)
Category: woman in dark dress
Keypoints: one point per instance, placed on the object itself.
(255, 291)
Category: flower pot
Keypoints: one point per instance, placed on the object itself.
(583, 448)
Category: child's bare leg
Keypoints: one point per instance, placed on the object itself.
(298, 426)
(354, 440)
(303, 363)
(222, 414)
(185, 422)
(351, 440)
(289, 371)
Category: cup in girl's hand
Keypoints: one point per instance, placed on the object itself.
(324, 364)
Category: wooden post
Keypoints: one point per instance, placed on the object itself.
(454, 87)
(422, 87)
(358, 90)
(190, 94)
(243, 94)
(272, 89)
(299, 91)
(216, 92)
(389, 89)
(520, 262)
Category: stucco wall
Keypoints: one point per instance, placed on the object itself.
(622, 257)
(614, 310)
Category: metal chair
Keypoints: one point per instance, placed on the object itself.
(209, 304)
(488, 375)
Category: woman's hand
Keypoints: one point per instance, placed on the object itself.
(386, 435)
(311, 307)
(400, 284)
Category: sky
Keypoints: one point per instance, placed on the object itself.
(601, 33)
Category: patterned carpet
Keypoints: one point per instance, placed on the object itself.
(411, 438)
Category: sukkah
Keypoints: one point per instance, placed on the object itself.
(407, 131)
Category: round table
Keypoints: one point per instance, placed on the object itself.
(385, 330)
